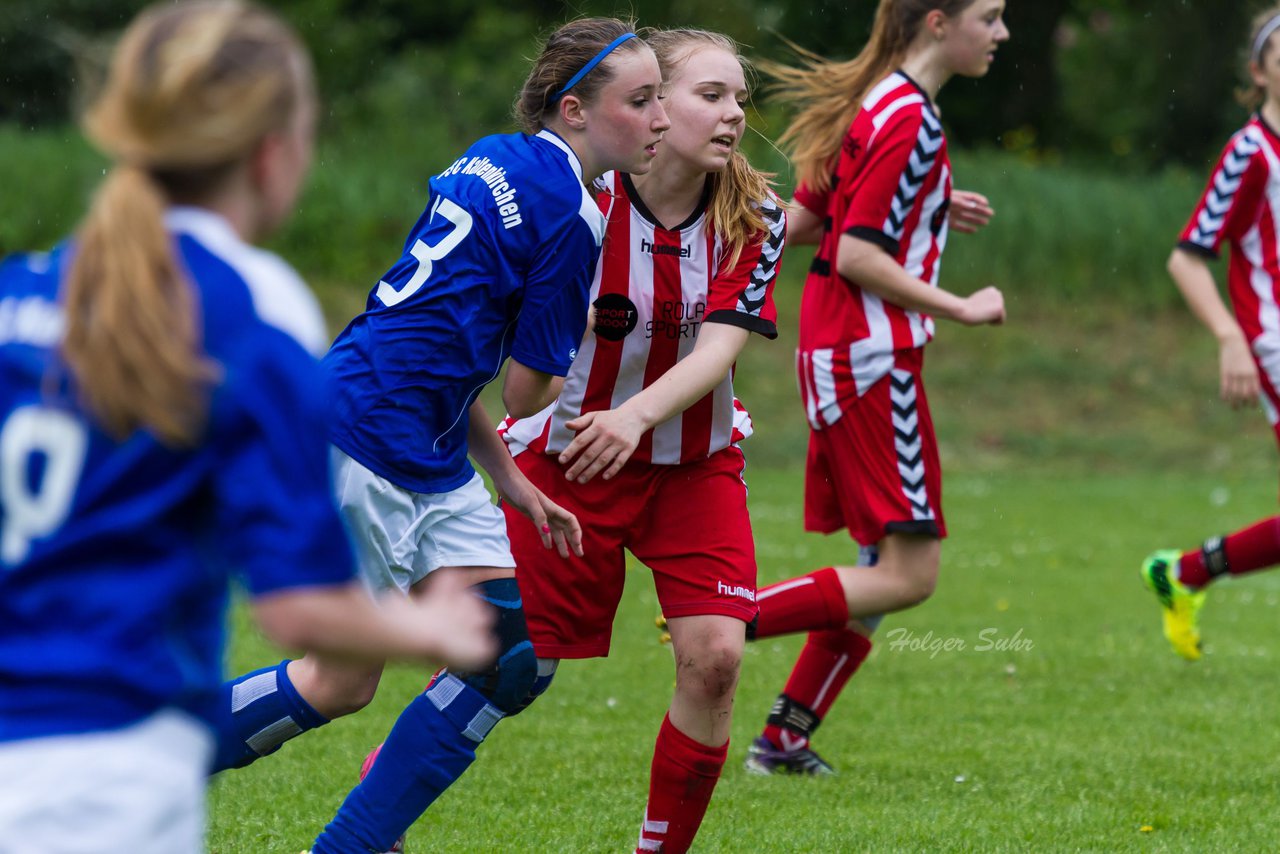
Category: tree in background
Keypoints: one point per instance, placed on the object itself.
(1135, 83)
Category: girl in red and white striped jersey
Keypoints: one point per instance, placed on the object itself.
(642, 442)
(875, 194)
(1241, 206)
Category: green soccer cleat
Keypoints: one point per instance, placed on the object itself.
(1181, 604)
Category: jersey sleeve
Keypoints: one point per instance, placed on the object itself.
(812, 200)
(742, 294)
(898, 158)
(1230, 200)
(273, 495)
(553, 315)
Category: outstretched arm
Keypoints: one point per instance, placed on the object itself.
(1238, 373)
(448, 625)
(874, 270)
(607, 438)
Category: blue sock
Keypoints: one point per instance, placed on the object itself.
(432, 743)
(257, 713)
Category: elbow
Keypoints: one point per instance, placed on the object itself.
(526, 392)
(518, 406)
(285, 631)
(852, 261)
(287, 619)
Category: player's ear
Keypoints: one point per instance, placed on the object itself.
(1256, 74)
(571, 112)
(262, 159)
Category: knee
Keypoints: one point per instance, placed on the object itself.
(336, 693)
(518, 676)
(916, 588)
(341, 698)
(710, 672)
(916, 572)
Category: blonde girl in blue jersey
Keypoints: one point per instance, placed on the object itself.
(160, 421)
(495, 272)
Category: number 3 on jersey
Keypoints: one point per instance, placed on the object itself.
(427, 255)
(33, 511)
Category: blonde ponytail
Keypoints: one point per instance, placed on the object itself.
(192, 89)
(132, 339)
(827, 94)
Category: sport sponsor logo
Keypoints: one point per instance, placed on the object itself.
(738, 590)
(676, 319)
(616, 316)
(653, 249)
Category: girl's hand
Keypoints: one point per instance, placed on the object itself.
(984, 306)
(556, 526)
(1238, 373)
(606, 440)
(969, 211)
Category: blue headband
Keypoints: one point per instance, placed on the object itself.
(586, 69)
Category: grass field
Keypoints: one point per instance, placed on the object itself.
(1078, 734)
(1077, 438)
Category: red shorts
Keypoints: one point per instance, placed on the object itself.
(875, 470)
(688, 523)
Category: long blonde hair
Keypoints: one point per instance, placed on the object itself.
(1252, 95)
(828, 93)
(191, 90)
(737, 190)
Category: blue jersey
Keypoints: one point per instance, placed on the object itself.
(115, 555)
(500, 264)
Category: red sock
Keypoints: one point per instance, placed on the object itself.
(681, 780)
(1247, 550)
(813, 601)
(827, 662)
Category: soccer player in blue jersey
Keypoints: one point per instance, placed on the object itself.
(496, 271)
(160, 428)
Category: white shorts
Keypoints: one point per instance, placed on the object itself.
(401, 536)
(139, 789)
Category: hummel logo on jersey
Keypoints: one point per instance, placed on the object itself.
(737, 590)
(678, 251)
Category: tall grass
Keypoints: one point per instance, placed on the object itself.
(1071, 234)
(1061, 233)
(1098, 365)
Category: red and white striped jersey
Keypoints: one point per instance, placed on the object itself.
(1241, 204)
(892, 187)
(654, 288)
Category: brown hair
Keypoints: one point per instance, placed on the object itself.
(1251, 95)
(191, 90)
(828, 94)
(564, 54)
(736, 192)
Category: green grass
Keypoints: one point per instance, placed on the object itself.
(1077, 438)
(1075, 742)
(1089, 241)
